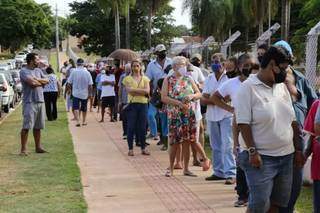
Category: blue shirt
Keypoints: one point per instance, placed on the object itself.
(156, 72)
(306, 96)
(99, 85)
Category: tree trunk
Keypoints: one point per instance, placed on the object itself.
(260, 27)
(149, 27)
(128, 28)
(117, 27)
(285, 16)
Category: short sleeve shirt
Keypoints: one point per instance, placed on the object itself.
(30, 94)
(156, 72)
(52, 86)
(129, 81)
(230, 88)
(107, 90)
(269, 112)
(80, 79)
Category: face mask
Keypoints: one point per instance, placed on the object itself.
(103, 71)
(231, 74)
(246, 72)
(281, 76)
(260, 59)
(162, 55)
(215, 67)
(196, 63)
(183, 71)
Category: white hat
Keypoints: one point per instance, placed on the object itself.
(160, 48)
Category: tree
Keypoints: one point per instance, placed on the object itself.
(21, 22)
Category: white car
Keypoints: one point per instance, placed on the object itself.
(11, 63)
(8, 95)
(21, 57)
(5, 67)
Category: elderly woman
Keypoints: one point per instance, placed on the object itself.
(265, 116)
(180, 93)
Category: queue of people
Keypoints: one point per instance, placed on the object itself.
(254, 111)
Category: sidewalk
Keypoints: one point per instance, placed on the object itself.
(114, 182)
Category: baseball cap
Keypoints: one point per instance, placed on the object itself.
(160, 48)
(196, 56)
(80, 61)
(284, 45)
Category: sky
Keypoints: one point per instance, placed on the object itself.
(181, 19)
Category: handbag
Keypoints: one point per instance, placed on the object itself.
(156, 100)
(125, 107)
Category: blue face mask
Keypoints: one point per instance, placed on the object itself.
(215, 67)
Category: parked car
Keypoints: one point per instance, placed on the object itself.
(11, 63)
(5, 66)
(7, 93)
(13, 85)
(16, 77)
(21, 57)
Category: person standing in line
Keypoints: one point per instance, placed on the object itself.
(71, 67)
(123, 100)
(138, 88)
(219, 125)
(264, 114)
(33, 112)
(92, 95)
(107, 95)
(230, 89)
(51, 92)
(302, 96)
(156, 70)
(81, 83)
(117, 73)
(102, 71)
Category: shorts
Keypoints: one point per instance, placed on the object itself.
(108, 101)
(33, 115)
(270, 183)
(79, 104)
(99, 94)
(93, 91)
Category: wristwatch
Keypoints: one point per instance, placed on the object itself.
(252, 151)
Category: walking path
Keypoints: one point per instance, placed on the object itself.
(114, 182)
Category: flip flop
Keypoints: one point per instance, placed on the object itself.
(189, 174)
(78, 125)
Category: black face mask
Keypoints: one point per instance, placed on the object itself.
(232, 74)
(281, 76)
(162, 56)
(260, 59)
(246, 72)
(196, 63)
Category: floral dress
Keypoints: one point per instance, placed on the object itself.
(182, 124)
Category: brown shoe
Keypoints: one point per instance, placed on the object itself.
(145, 152)
(130, 153)
(230, 181)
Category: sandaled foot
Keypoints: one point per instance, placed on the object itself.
(189, 174)
(41, 151)
(23, 153)
(130, 153)
(145, 152)
(206, 164)
(196, 163)
(78, 125)
(177, 166)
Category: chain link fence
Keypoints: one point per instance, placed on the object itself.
(312, 66)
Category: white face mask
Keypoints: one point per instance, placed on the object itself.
(103, 71)
(183, 71)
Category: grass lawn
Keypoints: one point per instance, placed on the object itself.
(39, 182)
(304, 203)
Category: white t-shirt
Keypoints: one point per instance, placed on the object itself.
(230, 88)
(80, 79)
(107, 90)
(269, 112)
(211, 85)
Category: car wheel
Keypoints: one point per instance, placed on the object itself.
(6, 108)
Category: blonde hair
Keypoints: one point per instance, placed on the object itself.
(178, 60)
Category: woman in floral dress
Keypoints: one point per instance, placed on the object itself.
(180, 92)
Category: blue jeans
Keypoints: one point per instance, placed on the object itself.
(271, 182)
(221, 142)
(137, 123)
(164, 124)
(152, 121)
(316, 196)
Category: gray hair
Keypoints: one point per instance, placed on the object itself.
(179, 60)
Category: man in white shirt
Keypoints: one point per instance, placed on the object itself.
(107, 94)
(219, 125)
(156, 70)
(80, 82)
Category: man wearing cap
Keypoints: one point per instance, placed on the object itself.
(156, 70)
(81, 82)
(302, 95)
(196, 60)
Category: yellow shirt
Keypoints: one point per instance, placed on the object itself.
(129, 81)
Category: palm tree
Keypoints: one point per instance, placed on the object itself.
(285, 18)
(153, 7)
(113, 5)
(126, 12)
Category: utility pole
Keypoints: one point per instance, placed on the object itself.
(57, 39)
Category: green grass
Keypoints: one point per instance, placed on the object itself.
(304, 203)
(39, 183)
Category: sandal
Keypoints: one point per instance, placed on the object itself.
(130, 153)
(78, 125)
(145, 152)
(189, 174)
(206, 164)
